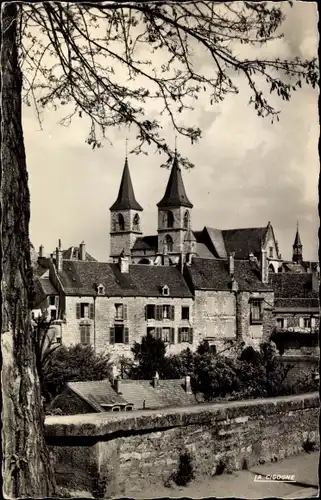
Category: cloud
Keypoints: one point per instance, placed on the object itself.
(247, 171)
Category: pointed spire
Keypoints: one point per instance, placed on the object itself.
(126, 198)
(297, 240)
(175, 195)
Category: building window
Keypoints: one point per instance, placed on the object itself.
(118, 334)
(150, 311)
(121, 222)
(256, 312)
(280, 322)
(168, 312)
(85, 310)
(120, 311)
(166, 334)
(185, 334)
(271, 252)
(101, 290)
(165, 290)
(85, 334)
(52, 300)
(168, 243)
(151, 331)
(186, 220)
(169, 219)
(185, 312)
(58, 340)
(307, 322)
(136, 222)
(53, 314)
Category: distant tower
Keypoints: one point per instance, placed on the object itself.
(174, 215)
(124, 217)
(297, 247)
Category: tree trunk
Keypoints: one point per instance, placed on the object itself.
(26, 465)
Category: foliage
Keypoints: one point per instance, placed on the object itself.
(99, 58)
(74, 364)
(180, 365)
(149, 358)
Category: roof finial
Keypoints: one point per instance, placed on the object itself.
(175, 145)
(126, 148)
(297, 225)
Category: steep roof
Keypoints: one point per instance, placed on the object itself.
(175, 195)
(244, 241)
(126, 198)
(293, 285)
(80, 278)
(212, 274)
(74, 253)
(297, 239)
(97, 393)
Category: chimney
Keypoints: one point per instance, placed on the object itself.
(264, 267)
(117, 385)
(231, 263)
(41, 251)
(234, 285)
(59, 258)
(156, 380)
(123, 263)
(188, 384)
(82, 251)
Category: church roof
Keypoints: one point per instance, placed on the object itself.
(126, 198)
(244, 241)
(175, 195)
(81, 278)
(297, 240)
(146, 243)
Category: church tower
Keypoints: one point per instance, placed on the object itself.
(174, 216)
(297, 247)
(124, 218)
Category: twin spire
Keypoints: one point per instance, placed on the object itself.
(175, 194)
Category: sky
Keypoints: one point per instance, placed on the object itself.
(247, 171)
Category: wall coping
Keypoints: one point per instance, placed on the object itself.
(108, 423)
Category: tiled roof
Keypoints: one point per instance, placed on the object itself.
(80, 277)
(126, 197)
(48, 287)
(43, 264)
(97, 393)
(293, 285)
(212, 274)
(39, 294)
(244, 241)
(175, 194)
(169, 393)
(146, 243)
(296, 303)
(217, 241)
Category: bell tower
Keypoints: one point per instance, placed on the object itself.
(174, 215)
(297, 247)
(125, 224)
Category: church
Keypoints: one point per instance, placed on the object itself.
(176, 240)
(181, 285)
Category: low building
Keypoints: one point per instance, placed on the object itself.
(122, 395)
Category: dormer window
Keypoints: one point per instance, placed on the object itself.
(165, 290)
(101, 290)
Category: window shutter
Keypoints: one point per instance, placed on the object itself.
(313, 322)
(158, 332)
(285, 323)
(159, 313)
(179, 335)
(172, 336)
(57, 301)
(91, 311)
(78, 310)
(172, 313)
(301, 322)
(82, 334)
(126, 336)
(112, 335)
(146, 313)
(87, 334)
(191, 335)
(124, 311)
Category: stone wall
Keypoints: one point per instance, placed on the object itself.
(129, 452)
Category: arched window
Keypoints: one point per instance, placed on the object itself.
(186, 220)
(168, 242)
(136, 222)
(169, 219)
(271, 269)
(121, 222)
